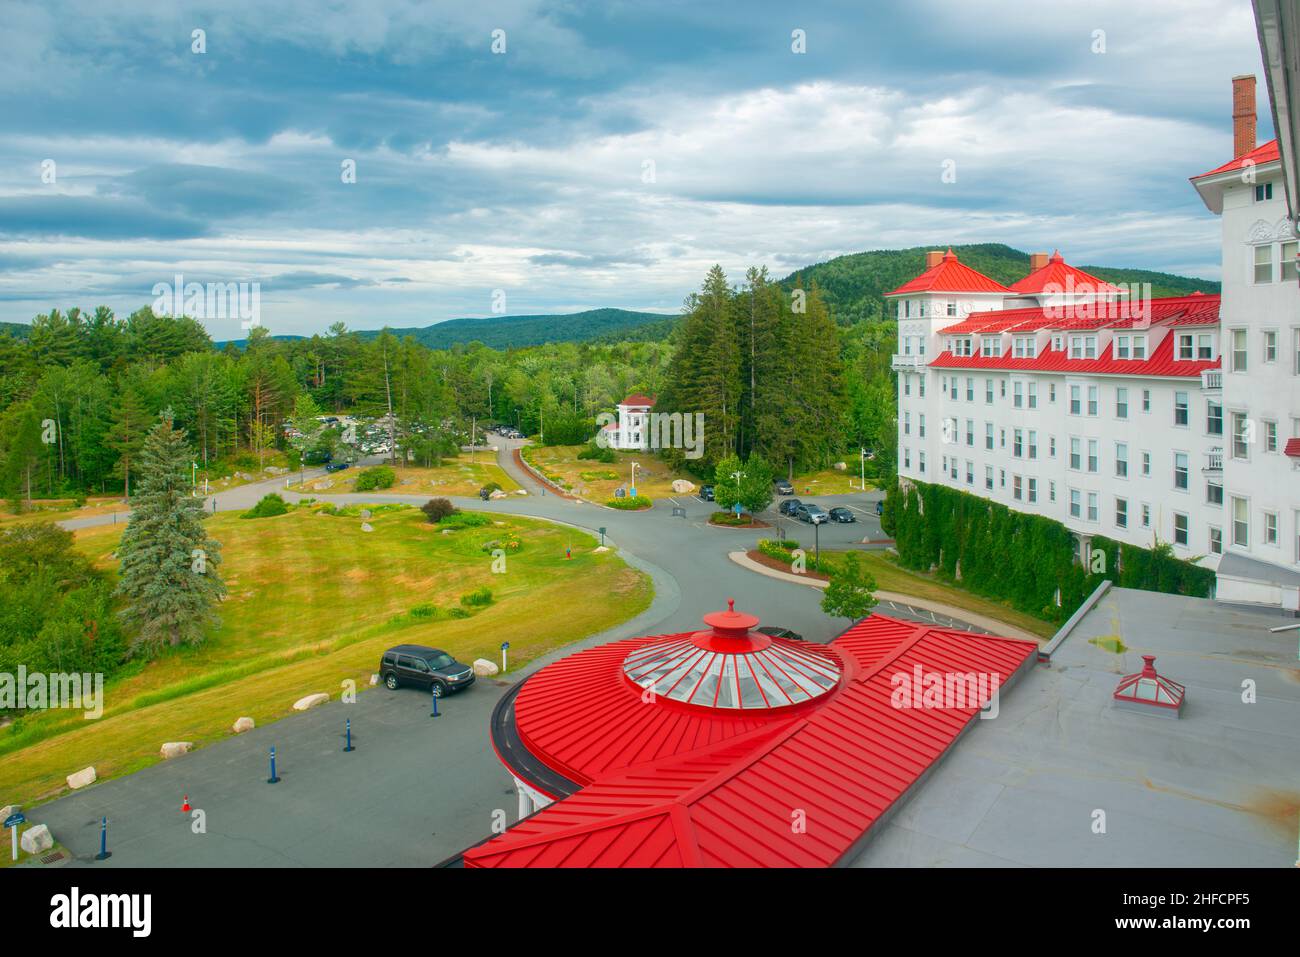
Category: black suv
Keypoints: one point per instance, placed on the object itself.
(424, 667)
(788, 506)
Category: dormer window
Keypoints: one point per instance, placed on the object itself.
(1186, 346)
(1058, 342)
(1024, 347)
(1139, 347)
(991, 347)
(1122, 348)
(1083, 347)
(1205, 346)
(1263, 192)
(960, 346)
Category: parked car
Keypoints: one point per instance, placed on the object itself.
(880, 507)
(788, 506)
(777, 631)
(424, 667)
(811, 513)
(783, 487)
(706, 492)
(336, 466)
(841, 514)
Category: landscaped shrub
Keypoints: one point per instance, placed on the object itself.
(376, 477)
(510, 544)
(782, 550)
(424, 611)
(477, 598)
(630, 503)
(460, 519)
(491, 487)
(602, 476)
(731, 518)
(598, 453)
(437, 509)
(269, 506)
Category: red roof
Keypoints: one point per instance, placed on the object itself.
(1292, 448)
(1197, 309)
(950, 275)
(1150, 689)
(680, 786)
(1161, 362)
(1059, 276)
(1265, 153)
(638, 399)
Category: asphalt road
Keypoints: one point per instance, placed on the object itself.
(418, 789)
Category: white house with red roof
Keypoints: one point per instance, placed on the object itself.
(1059, 396)
(631, 433)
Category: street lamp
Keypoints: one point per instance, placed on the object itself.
(194, 478)
(863, 458)
(633, 489)
(738, 476)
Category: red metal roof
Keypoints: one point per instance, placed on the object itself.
(1192, 310)
(676, 787)
(1265, 153)
(1292, 448)
(1059, 276)
(950, 275)
(638, 399)
(1161, 362)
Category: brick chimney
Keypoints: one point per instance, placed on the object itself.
(1037, 261)
(1243, 115)
(933, 258)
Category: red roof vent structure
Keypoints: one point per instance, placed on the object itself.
(1150, 692)
(1292, 448)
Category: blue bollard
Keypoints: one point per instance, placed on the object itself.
(104, 853)
(273, 779)
(348, 746)
(434, 712)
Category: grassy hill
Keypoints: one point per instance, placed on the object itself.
(506, 332)
(855, 285)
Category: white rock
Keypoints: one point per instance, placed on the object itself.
(302, 704)
(839, 466)
(243, 724)
(174, 749)
(600, 548)
(9, 809)
(521, 491)
(374, 680)
(81, 778)
(36, 839)
(498, 494)
(681, 486)
(483, 668)
(367, 527)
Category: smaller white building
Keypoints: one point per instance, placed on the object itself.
(632, 431)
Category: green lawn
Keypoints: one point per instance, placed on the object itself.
(314, 600)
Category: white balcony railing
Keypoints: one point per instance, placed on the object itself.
(908, 362)
(1214, 460)
(1212, 380)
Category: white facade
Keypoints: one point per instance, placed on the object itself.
(1261, 385)
(632, 431)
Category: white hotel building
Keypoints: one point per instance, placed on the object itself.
(1176, 420)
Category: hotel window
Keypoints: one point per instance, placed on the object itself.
(1015, 488)
(1240, 436)
(1076, 347)
(1180, 470)
(1205, 346)
(988, 391)
(920, 461)
(1146, 515)
(988, 435)
(1017, 444)
(964, 347)
(1146, 463)
(1076, 402)
(952, 309)
(1180, 529)
(1018, 394)
(1002, 478)
(1093, 457)
(1076, 454)
(1180, 408)
(1033, 444)
(988, 476)
(1092, 400)
(920, 386)
(1139, 347)
(1051, 386)
(1002, 438)
(1270, 528)
(989, 347)
(1033, 491)
(1093, 510)
(907, 423)
(1263, 264)
(1121, 513)
(1186, 347)
(1216, 540)
(1290, 268)
(1240, 522)
(1213, 418)
(920, 425)
(1025, 347)
(1003, 389)
(1051, 446)
(1146, 400)
(1239, 350)
(1263, 192)
(1058, 343)
(907, 345)
(1033, 395)
(970, 390)
(952, 388)
(1121, 459)
(907, 457)
(907, 384)
(952, 472)
(970, 472)
(1121, 347)
(1270, 436)
(1051, 491)
(1270, 345)
(1121, 403)
(970, 432)
(1076, 503)
(1213, 493)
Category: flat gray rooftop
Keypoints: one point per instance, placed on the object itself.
(1218, 787)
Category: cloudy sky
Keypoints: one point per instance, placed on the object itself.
(607, 157)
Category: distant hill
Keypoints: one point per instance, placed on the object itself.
(16, 329)
(507, 332)
(854, 285)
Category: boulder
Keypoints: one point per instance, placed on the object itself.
(600, 548)
(243, 724)
(9, 809)
(521, 491)
(484, 668)
(840, 466)
(36, 839)
(681, 486)
(311, 701)
(322, 486)
(367, 527)
(374, 680)
(174, 749)
(498, 493)
(365, 513)
(81, 778)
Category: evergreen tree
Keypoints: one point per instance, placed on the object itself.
(127, 432)
(168, 564)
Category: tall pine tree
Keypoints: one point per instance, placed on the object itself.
(168, 564)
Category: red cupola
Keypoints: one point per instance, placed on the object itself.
(1150, 692)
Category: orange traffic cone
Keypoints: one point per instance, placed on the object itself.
(185, 806)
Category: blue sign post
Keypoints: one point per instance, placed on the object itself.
(348, 734)
(274, 778)
(12, 822)
(433, 693)
(737, 509)
(104, 853)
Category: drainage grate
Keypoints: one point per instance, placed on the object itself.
(53, 858)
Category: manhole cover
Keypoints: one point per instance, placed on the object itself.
(53, 858)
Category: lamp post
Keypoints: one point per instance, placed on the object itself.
(862, 457)
(738, 475)
(633, 489)
(194, 478)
